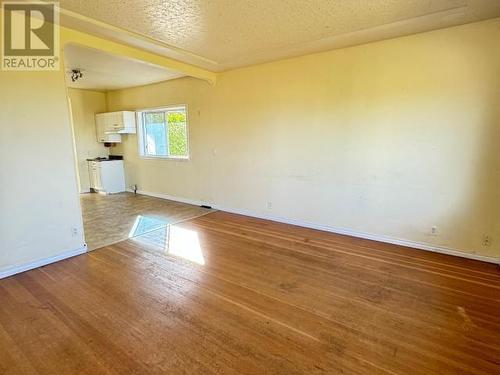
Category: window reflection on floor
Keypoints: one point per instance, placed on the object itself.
(171, 239)
(145, 224)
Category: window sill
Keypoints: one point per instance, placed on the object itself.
(171, 158)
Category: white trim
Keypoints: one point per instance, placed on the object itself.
(169, 197)
(369, 236)
(165, 108)
(171, 158)
(343, 231)
(141, 131)
(42, 262)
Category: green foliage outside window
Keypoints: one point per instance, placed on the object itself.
(177, 133)
(166, 133)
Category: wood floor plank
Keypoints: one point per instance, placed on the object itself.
(337, 244)
(348, 266)
(228, 294)
(350, 309)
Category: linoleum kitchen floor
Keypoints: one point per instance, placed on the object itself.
(111, 218)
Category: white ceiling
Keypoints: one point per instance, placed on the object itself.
(102, 71)
(224, 34)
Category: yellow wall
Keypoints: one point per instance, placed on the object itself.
(39, 204)
(84, 105)
(180, 178)
(389, 138)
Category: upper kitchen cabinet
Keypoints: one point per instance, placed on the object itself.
(122, 122)
(110, 125)
(104, 136)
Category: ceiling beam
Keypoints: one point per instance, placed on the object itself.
(77, 37)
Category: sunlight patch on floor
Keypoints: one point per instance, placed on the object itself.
(145, 224)
(184, 243)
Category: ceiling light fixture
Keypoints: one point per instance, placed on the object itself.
(76, 74)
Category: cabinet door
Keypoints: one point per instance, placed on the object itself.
(114, 121)
(95, 175)
(100, 126)
(91, 175)
(102, 122)
(129, 126)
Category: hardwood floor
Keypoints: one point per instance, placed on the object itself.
(229, 294)
(111, 218)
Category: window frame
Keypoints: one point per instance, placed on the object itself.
(141, 131)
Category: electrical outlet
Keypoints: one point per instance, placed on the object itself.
(269, 205)
(74, 232)
(434, 230)
(487, 240)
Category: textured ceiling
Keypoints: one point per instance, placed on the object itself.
(222, 34)
(102, 71)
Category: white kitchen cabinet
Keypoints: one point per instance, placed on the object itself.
(107, 176)
(101, 121)
(95, 176)
(122, 122)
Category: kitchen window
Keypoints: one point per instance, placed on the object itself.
(163, 133)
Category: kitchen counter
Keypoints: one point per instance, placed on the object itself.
(110, 158)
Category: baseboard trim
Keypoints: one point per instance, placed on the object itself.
(169, 197)
(343, 231)
(41, 262)
(369, 236)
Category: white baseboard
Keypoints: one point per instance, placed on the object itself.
(169, 197)
(41, 262)
(369, 236)
(344, 231)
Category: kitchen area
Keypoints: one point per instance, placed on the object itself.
(111, 211)
(106, 174)
(108, 210)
